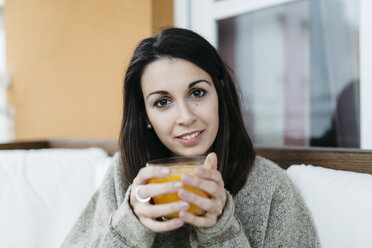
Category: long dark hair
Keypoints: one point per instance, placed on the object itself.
(138, 144)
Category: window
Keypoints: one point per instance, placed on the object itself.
(6, 128)
(298, 64)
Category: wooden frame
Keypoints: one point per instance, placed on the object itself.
(109, 145)
(348, 159)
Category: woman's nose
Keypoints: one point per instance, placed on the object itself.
(186, 115)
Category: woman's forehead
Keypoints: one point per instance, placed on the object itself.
(174, 72)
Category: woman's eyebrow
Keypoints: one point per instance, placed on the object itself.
(161, 92)
(198, 81)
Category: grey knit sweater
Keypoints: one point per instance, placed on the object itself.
(266, 212)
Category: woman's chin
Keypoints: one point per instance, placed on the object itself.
(190, 153)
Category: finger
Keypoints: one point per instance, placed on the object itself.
(159, 210)
(154, 189)
(212, 160)
(146, 173)
(208, 220)
(204, 203)
(214, 175)
(162, 226)
(210, 187)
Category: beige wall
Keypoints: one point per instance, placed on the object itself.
(162, 14)
(67, 59)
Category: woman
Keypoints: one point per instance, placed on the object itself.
(180, 100)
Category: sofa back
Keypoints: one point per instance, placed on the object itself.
(44, 185)
(347, 159)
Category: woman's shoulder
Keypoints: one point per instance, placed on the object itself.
(266, 177)
(265, 169)
(116, 163)
(115, 168)
(269, 202)
(113, 182)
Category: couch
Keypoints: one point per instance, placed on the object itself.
(44, 185)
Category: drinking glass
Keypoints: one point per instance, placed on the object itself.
(178, 166)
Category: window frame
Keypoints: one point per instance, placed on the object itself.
(6, 112)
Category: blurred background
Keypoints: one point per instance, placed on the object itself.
(65, 61)
(302, 65)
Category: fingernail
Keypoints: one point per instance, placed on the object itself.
(179, 222)
(186, 178)
(184, 206)
(200, 172)
(182, 214)
(182, 193)
(164, 171)
(177, 185)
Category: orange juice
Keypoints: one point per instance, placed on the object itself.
(175, 175)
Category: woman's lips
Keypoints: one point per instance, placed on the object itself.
(190, 138)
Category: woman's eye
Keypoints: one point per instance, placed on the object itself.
(198, 93)
(161, 103)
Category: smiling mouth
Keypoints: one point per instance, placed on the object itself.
(190, 136)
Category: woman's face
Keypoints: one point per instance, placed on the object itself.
(181, 104)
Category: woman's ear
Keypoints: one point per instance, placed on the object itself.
(144, 117)
(147, 121)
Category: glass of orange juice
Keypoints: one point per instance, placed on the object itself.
(178, 166)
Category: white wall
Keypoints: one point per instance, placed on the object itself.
(366, 74)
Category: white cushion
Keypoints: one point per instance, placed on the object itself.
(42, 193)
(340, 203)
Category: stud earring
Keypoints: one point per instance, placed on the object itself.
(148, 126)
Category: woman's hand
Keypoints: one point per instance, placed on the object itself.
(211, 182)
(147, 212)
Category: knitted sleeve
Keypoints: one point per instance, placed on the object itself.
(228, 232)
(267, 212)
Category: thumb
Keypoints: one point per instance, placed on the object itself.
(211, 161)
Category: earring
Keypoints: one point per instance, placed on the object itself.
(148, 126)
